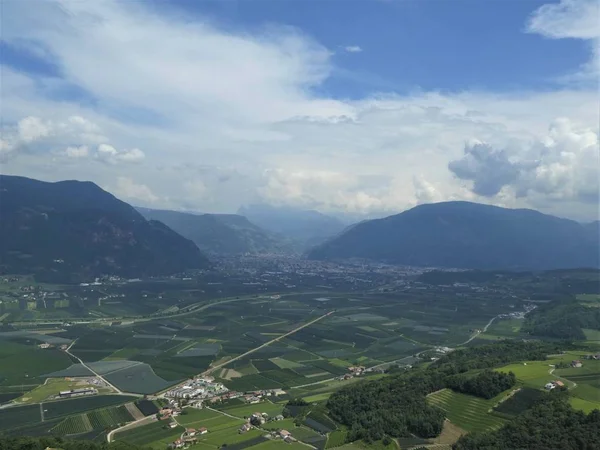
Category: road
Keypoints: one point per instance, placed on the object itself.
(135, 424)
(551, 371)
(68, 352)
(266, 344)
(480, 332)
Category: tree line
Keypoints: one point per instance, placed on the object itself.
(396, 406)
(562, 319)
(551, 424)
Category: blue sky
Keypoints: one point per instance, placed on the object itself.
(429, 44)
(364, 107)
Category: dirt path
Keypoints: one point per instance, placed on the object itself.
(130, 425)
(566, 380)
(134, 411)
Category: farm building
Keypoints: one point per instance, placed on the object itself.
(177, 444)
(172, 424)
(576, 363)
(244, 428)
(554, 384)
(202, 430)
(77, 392)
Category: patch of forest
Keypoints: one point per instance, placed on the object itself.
(562, 320)
(396, 406)
(551, 424)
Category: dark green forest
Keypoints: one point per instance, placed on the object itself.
(551, 424)
(562, 320)
(396, 405)
(486, 384)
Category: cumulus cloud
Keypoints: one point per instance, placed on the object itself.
(563, 165)
(490, 169)
(248, 121)
(77, 152)
(110, 155)
(128, 189)
(426, 192)
(33, 128)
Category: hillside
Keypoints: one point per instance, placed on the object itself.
(305, 227)
(468, 235)
(77, 230)
(223, 234)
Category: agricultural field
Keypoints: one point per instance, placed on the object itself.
(467, 412)
(62, 408)
(149, 355)
(520, 401)
(99, 419)
(155, 435)
(19, 416)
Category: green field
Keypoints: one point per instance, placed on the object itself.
(53, 410)
(336, 438)
(19, 416)
(272, 409)
(155, 435)
(467, 412)
(73, 425)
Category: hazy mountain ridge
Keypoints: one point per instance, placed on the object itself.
(468, 235)
(222, 234)
(305, 227)
(79, 230)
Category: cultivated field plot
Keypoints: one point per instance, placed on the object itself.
(23, 364)
(139, 378)
(521, 401)
(222, 430)
(19, 416)
(212, 420)
(156, 435)
(100, 419)
(468, 412)
(64, 408)
(272, 409)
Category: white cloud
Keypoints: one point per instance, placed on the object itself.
(77, 152)
(129, 190)
(353, 49)
(567, 19)
(575, 19)
(108, 154)
(563, 165)
(227, 117)
(32, 128)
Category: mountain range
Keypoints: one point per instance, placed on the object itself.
(220, 234)
(76, 230)
(468, 235)
(305, 228)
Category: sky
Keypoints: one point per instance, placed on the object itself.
(363, 108)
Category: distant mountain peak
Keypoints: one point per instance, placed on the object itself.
(221, 234)
(88, 228)
(468, 235)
